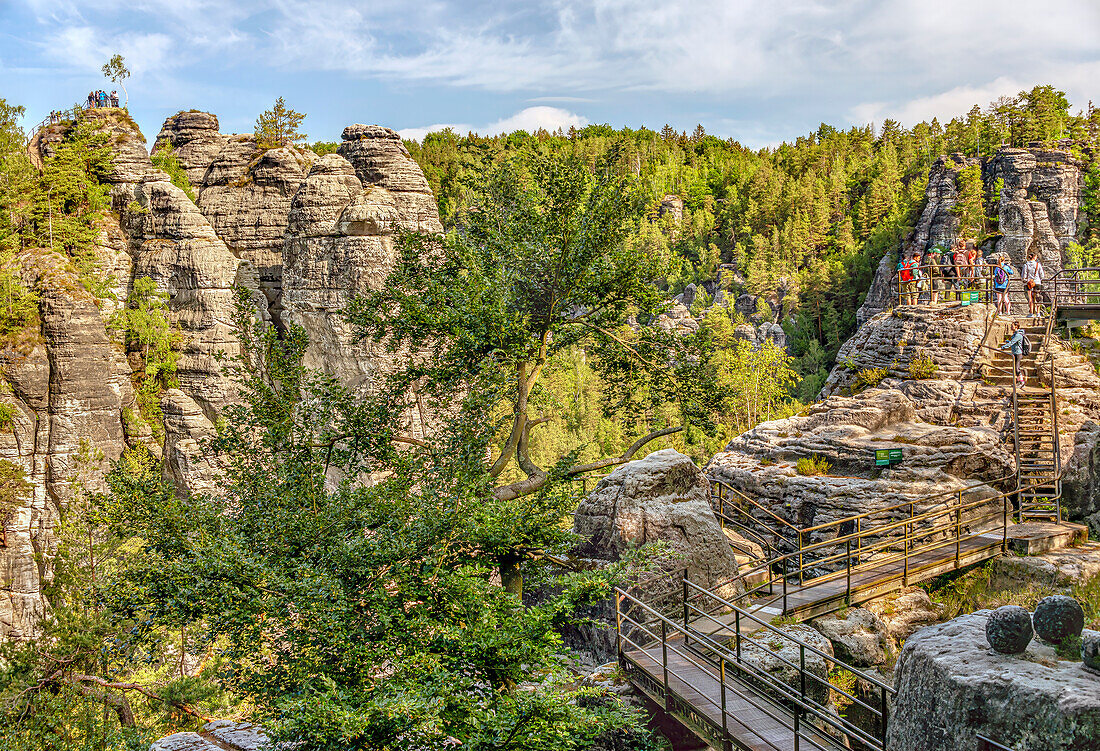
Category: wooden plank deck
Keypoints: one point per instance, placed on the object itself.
(753, 721)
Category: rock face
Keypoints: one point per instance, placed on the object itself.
(1039, 203)
(951, 686)
(340, 243)
(779, 656)
(665, 498)
(905, 612)
(858, 636)
(243, 191)
(846, 431)
(218, 735)
(68, 392)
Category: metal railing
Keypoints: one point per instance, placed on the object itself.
(1072, 287)
(810, 722)
(904, 532)
(988, 744)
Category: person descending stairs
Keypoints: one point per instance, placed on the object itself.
(1032, 427)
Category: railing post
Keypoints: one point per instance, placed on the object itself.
(958, 528)
(1004, 524)
(722, 681)
(885, 715)
(664, 664)
(685, 593)
(802, 670)
(784, 592)
(619, 625)
(908, 535)
(848, 558)
(800, 557)
(797, 716)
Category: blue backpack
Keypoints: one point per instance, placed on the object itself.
(999, 276)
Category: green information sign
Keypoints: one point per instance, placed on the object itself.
(886, 457)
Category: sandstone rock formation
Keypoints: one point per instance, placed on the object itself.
(254, 211)
(905, 612)
(218, 735)
(242, 190)
(858, 636)
(780, 657)
(340, 243)
(1039, 202)
(664, 498)
(951, 686)
(845, 431)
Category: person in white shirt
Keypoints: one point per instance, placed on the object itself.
(1033, 280)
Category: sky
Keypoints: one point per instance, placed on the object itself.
(760, 71)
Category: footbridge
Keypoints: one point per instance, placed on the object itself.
(715, 657)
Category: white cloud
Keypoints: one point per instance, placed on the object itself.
(529, 119)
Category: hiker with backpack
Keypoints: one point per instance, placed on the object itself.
(908, 271)
(1019, 345)
(1033, 281)
(1001, 272)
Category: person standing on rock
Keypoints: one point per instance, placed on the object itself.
(1033, 280)
(1015, 344)
(907, 284)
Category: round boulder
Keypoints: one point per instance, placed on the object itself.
(1058, 618)
(1090, 649)
(663, 498)
(1008, 629)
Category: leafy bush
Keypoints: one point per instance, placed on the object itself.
(812, 466)
(166, 160)
(7, 412)
(922, 366)
(869, 378)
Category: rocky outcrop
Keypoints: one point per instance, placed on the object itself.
(780, 654)
(68, 390)
(1040, 197)
(218, 735)
(340, 243)
(846, 431)
(663, 498)
(905, 612)
(951, 337)
(242, 190)
(858, 636)
(952, 686)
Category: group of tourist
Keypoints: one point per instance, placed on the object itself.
(962, 269)
(102, 99)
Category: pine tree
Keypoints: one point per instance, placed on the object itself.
(278, 127)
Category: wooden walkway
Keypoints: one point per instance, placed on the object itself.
(752, 722)
(870, 580)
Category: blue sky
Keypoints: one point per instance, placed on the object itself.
(761, 72)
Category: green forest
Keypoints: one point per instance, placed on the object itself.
(804, 224)
(414, 611)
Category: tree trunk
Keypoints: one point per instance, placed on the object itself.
(511, 577)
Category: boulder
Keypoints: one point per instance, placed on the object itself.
(1057, 618)
(1008, 629)
(778, 655)
(1060, 569)
(217, 735)
(859, 637)
(663, 498)
(951, 686)
(905, 612)
(1090, 649)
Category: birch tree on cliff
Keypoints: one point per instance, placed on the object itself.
(537, 266)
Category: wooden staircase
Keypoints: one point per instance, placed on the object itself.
(1031, 427)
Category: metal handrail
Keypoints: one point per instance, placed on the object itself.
(802, 704)
(908, 537)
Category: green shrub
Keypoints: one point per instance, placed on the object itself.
(7, 412)
(869, 377)
(812, 466)
(170, 163)
(922, 366)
